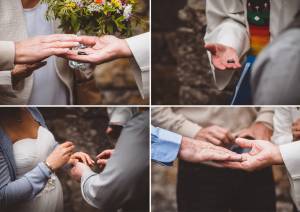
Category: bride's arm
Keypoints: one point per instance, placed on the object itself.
(25, 188)
(28, 186)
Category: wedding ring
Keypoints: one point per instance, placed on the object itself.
(81, 53)
(230, 61)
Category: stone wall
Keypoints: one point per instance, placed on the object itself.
(180, 69)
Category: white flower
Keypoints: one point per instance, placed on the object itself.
(127, 11)
(93, 7)
(78, 2)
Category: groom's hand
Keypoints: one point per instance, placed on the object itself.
(81, 157)
(41, 47)
(223, 57)
(262, 154)
(197, 151)
(100, 49)
(103, 157)
(77, 171)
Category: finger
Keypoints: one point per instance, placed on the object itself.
(108, 130)
(218, 64)
(244, 143)
(60, 37)
(60, 44)
(89, 159)
(104, 154)
(101, 162)
(68, 150)
(231, 165)
(88, 40)
(73, 161)
(83, 159)
(67, 144)
(56, 51)
(220, 155)
(213, 140)
(237, 61)
(36, 66)
(219, 134)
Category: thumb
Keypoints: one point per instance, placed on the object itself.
(244, 143)
(211, 47)
(35, 66)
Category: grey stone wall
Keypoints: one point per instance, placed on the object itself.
(180, 69)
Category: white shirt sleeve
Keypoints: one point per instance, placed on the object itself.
(291, 157)
(282, 123)
(226, 24)
(140, 48)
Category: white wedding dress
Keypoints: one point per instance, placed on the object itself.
(28, 153)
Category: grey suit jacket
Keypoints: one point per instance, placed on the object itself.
(122, 179)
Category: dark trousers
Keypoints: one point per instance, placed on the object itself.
(202, 188)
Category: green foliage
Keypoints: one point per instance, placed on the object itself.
(94, 17)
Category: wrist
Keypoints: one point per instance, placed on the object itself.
(185, 145)
(124, 50)
(49, 166)
(17, 52)
(277, 157)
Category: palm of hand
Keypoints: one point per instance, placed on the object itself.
(101, 51)
(260, 156)
(223, 57)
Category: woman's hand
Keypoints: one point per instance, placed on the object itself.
(81, 157)
(60, 156)
(20, 72)
(103, 157)
(39, 48)
(223, 57)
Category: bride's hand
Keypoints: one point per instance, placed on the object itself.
(60, 155)
(103, 157)
(81, 157)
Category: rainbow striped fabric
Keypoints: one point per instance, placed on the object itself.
(258, 15)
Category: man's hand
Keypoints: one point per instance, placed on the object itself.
(215, 135)
(296, 130)
(77, 171)
(101, 49)
(223, 57)
(39, 48)
(258, 131)
(103, 157)
(20, 72)
(81, 157)
(262, 154)
(197, 151)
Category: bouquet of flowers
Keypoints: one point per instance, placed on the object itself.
(94, 17)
